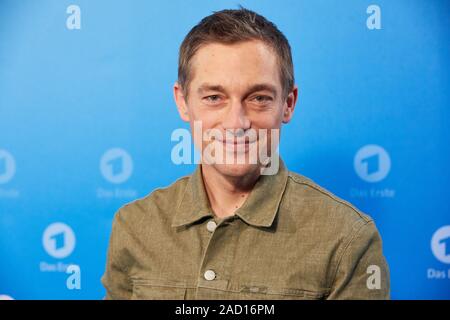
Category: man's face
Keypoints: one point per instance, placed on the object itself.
(235, 89)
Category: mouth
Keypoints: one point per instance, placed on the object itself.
(237, 142)
(237, 146)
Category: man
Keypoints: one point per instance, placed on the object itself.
(241, 226)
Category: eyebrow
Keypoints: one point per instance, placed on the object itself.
(256, 87)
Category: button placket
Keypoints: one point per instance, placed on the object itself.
(210, 276)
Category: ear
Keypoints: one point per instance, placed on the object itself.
(180, 102)
(289, 106)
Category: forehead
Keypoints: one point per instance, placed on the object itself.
(235, 65)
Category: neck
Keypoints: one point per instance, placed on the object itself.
(227, 193)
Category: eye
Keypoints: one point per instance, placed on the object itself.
(212, 98)
(262, 99)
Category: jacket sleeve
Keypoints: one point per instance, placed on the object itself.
(115, 279)
(362, 271)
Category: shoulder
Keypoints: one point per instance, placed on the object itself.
(163, 199)
(322, 206)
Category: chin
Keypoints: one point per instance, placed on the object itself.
(236, 170)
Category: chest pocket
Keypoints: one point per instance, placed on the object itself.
(147, 289)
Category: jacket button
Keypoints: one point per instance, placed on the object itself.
(209, 275)
(211, 226)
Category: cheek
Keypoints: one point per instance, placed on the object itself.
(206, 120)
(200, 122)
(268, 119)
(199, 112)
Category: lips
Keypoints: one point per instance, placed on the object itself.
(237, 142)
(236, 146)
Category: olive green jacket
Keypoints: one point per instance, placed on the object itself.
(291, 239)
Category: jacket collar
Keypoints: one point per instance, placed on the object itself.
(258, 210)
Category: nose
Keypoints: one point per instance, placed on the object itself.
(236, 117)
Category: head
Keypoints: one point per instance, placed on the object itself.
(235, 76)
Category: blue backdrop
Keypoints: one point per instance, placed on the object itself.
(86, 116)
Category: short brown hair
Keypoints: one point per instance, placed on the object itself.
(232, 26)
